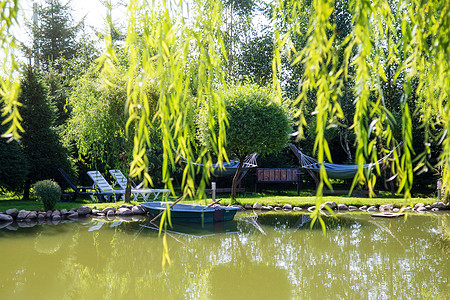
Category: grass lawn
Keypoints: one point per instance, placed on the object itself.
(269, 198)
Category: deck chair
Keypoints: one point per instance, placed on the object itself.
(153, 194)
(106, 192)
(78, 190)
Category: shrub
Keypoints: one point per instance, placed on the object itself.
(48, 192)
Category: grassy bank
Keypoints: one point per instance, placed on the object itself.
(264, 199)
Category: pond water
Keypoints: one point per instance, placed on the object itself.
(273, 256)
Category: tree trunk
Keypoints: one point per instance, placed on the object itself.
(235, 180)
(128, 191)
(26, 190)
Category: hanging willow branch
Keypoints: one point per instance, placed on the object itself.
(410, 35)
(162, 46)
(178, 43)
(9, 84)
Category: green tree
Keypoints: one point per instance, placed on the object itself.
(54, 34)
(256, 123)
(96, 126)
(43, 150)
(13, 165)
(424, 43)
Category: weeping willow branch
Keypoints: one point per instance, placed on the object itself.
(9, 84)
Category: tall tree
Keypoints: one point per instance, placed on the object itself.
(13, 165)
(42, 148)
(54, 34)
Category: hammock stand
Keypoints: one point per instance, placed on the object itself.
(339, 171)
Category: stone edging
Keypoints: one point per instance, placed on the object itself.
(13, 214)
(419, 207)
(55, 216)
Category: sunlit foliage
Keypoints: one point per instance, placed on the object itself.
(421, 54)
(181, 41)
(160, 40)
(9, 85)
(256, 124)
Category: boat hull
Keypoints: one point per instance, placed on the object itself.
(187, 213)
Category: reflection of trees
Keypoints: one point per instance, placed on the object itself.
(383, 258)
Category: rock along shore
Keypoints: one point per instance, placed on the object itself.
(31, 218)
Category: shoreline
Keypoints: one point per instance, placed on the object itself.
(25, 218)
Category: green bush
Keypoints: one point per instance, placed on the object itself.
(48, 192)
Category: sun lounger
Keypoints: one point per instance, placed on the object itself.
(77, 190)
(146, 194)
(105, 190)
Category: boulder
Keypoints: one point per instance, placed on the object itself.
(13, 212)
(277, 208)
(386, 207)
(64, 212)
(41, 217)
(110, 213)
(126, 206)
(287, 206)
(330, 204)
(56, 213)
(95, 212)
(435, 209)
(105, 210)
(352, 207)
(342, 207)
(257, 205)
(296, 208)
(364, 207)
(6, 218)
(48, 214)
(32, 215)
(56, 218)
(73, 215)
(418, 205)
(248, 206)
(22, 214)
(124, 212)
(84, 210)
(396, 210)
(421, 209)
(311, 208)
(137, 210)
(439, 205)
(428, 207)
(267, 208)
(372, 208)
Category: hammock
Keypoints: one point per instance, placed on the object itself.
(333, 170)
(229, 168)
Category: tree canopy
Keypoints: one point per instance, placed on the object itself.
(256, 123)
(407, 39)
(42, 148)
(54, 34)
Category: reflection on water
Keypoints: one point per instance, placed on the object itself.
(273, 256)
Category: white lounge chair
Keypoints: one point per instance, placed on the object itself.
(103, 186)
(121, 181)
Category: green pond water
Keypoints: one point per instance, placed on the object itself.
(276, 256)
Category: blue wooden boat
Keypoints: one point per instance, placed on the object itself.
(192, 213)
